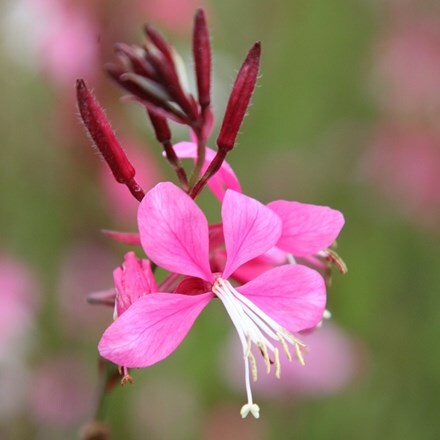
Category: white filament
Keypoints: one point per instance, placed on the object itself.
(255, 327)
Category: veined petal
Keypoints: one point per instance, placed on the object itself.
(151, 329)
(293, 295)
(252, 269)
(133, 280)
(307, 229)
(250, 229)
(224, 179)
(174, 231)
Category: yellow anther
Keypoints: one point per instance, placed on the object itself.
(299, 355)
(265, 354)
(277, 363)
(253, 367)
(127, 379)
(285, 346)
(299, 342)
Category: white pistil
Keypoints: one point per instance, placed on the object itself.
(257, 328)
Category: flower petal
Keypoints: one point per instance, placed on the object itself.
(133, 280)
(174, 231)
(250, 229)
(151, 329)
(292, 295)
(307, 229)
(225, 177)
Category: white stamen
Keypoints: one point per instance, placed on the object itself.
(255, 328)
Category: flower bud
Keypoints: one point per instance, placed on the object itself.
(202, 58)
(102, 134)
(239, 99)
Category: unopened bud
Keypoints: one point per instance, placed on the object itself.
(239, 100)
(202, 58)
(160, 126)
(102, 134)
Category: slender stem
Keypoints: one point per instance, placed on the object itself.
(201, 147)
(214, 166)
(175, 163)
(108, 374)
(136, 190)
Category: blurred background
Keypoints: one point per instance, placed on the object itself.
(346, 115)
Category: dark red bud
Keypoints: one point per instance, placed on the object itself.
(159, 41)
(239, 99)
(167, 71)
(161, 128)
(202, 58)
(136, 60)
(145, 95)
(167, 76)
(102, 134)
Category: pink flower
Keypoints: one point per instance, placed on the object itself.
(133, 280)
(307, 230)
(404, 162)
(413, 41)
(265, 312)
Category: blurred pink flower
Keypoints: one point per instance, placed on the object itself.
(60, 37)
(176, 15)
(408, 65)
(20, 297)
(85, 267)
(332, 361)
(62, 393)
(404, 163)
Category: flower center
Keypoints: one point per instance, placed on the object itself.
(256, 329)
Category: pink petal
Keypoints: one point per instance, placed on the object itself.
(255, 267)
(307, 229)
(292, 295)
(132, 281)
(249, 227)
(225, 177)
(252, 269)
(174, 231)
(151, 329)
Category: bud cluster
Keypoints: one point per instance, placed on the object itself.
(154, 75)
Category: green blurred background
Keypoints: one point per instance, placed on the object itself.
(311, 124)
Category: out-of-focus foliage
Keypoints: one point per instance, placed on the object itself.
(325, 96)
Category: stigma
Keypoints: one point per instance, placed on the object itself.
(259, 331)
